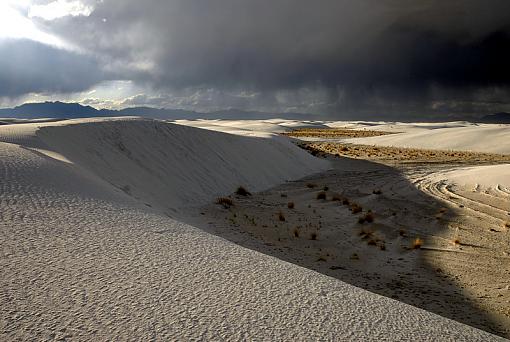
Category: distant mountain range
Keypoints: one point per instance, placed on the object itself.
(496, 118)
(63, 110)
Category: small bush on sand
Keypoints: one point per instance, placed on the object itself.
(313, 236)
(310, 185)
(296, 232)
(345, 201)
(225, 202)
(326, 188)
(506, 225)
(321, 195)
(368, 217)
(281, 217)
(241, 191)
(336, 198)
(377, 192)
(417, 243)
(356, 208)
(290, 205)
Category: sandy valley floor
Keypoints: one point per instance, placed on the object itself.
(439, 247)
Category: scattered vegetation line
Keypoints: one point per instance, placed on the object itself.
(225, 202)
(401, 154)
(334, 133)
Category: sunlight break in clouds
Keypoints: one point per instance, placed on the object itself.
(60, 8)
(13, 25)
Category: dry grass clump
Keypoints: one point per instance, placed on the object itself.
(310, 185)
(290, 205)
(336, 198)
(225, 202)
(295, 232)
(345, 201)
(372, 240)
(506, 225)
(368, 217)
(356, 208)
(281, 217)
(313, 236)
(326, 188)
(377, 192)
(417, 243)
(241, 191)
(321, 195)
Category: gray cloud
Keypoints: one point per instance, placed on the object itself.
(27, 66)
(332, 55)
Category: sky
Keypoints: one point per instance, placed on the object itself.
(344, 59)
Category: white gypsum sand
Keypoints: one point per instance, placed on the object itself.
(84, 260)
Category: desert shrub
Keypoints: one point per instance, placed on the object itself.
(356, 208)
(321, 195)
(310, 185)
(417, 243)
(345, 201)
(313, 236)
(290, 205)
(281, 217)
(369, 217)
(377, 192)
(296, 232)
(225, 202)
(326, 188)
(241, 191)
(336, 197)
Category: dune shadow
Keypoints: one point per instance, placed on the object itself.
(379, 255)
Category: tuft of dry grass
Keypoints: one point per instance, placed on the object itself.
(290, 205)
(281, 217)
(313, 236)
(295, 232)
(310, 185)
(417, 243)
(377, 192)
(241, 191)
(321, 195)
(326, 188)
(356, 208)
(336, 198)
(368, 217)
(354, 256)
(506, 225)
(345, 201)
(225, 202)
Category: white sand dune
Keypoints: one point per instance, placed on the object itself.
(469, 137)
(83, 260)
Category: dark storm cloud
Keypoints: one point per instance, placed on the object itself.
(27, 66)
(366, 53)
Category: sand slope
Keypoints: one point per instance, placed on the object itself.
(83, 260)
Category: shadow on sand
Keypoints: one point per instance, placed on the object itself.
(386, 262)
